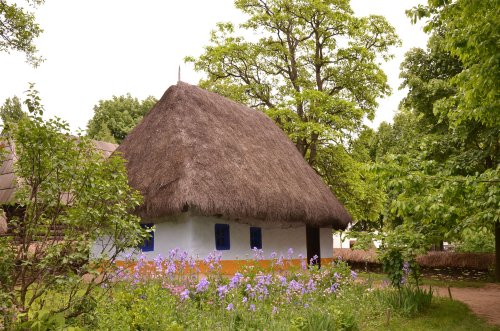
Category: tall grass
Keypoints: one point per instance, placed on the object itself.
(407, 300)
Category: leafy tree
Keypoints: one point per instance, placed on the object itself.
(18, 30)
(113, 119)
(314, 70)
(11, 111)
(445, 183)
(67, 199)
(470, 32)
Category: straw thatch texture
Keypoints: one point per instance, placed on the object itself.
(197, 150)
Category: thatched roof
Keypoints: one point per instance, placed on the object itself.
(8, 180)
(198, 151)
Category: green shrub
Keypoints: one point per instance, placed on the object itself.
(407, 300)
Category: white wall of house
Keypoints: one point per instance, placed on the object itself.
(196, 235)
(343, 241)
(274, 238)
(340, 241)
(326, 242)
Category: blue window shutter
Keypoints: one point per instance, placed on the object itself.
(149, 244)
(222, 241)
(255, 238)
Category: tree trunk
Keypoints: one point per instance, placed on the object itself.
(497, 251)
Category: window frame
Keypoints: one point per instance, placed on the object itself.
(222, 237)
(255, 237)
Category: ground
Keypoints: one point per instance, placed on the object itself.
(483, 301)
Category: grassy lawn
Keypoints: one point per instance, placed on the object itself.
(442, 315)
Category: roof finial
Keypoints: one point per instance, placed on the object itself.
(179, 74)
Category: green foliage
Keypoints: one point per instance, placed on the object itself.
(138, 308)
(398, 254)
(172, 295)
(314, 70)
(443, 314)
(11, 111)
(150, 302)
(439, 162)
(45, 320)
(67, 199)
(352, 180)
(114, 118)
(18, 30)
(408, 301)
(470, 31)
(476, 240)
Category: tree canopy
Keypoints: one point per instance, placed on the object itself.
(439, 161)
(18, 30)
(114, 118)
(11, 111)
(314, 70)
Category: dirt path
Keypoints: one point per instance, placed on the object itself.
(484, 301)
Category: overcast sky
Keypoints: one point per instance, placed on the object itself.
(95, 49)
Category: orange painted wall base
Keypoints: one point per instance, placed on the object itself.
(229, 267)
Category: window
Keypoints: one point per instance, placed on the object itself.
(222, 237)
(255, 238)
(149, 244)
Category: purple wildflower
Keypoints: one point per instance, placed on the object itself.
(252, 307)
(354, 275)
(311, 285)
(202, 285)
(406, 272)
(294, 286)
(171, 268)
(235, 281)
(222, 290)
(192, 262)
(406, 267)
(158, 261)
(279, 262)
(258, 254)
(184, 295)
(230, 307)
(334, 288)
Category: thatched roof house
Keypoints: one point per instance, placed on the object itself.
(9, 181)
(198, 151)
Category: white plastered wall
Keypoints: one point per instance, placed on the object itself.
(326, 242)
(274, 238)
(340, 241)
(195, 234)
